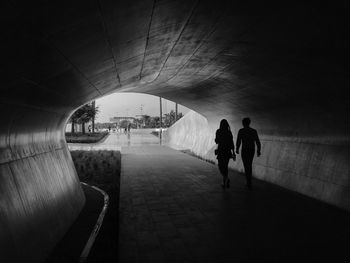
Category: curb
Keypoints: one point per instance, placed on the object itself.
(85, 253)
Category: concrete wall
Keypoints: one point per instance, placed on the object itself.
(40, 194)
(192, 132)
(315, 166)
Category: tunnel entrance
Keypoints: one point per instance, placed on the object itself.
(123, 113)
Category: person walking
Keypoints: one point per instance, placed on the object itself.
(129, 127)
(248, 137)
(225, 150)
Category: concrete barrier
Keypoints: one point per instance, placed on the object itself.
(40, 194)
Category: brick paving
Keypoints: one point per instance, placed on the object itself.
(173, 209)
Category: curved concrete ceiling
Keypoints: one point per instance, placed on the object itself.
(286, 66)
(267, 61)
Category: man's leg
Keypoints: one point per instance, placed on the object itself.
(246, 168)
(247, 158)
(250, 166)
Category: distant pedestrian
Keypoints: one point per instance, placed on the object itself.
(248, 137)
(129, 127)
(225, 150)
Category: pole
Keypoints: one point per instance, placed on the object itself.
(142, 117)
(176, 106)
(93, 118)
(160, 113)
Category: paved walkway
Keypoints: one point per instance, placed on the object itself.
(116, 140)
(173, 209)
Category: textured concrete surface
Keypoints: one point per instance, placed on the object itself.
(285, 65)
(313, 166)
(173, 209)
(40, 194)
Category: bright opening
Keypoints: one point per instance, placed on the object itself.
(122, 113)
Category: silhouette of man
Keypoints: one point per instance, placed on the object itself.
(248, 137)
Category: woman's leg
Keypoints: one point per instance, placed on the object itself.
(223, 167)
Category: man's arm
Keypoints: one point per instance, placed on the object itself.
(233, 148)
(258, 144)
(238, 142)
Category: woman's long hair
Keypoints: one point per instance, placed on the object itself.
(224, 126)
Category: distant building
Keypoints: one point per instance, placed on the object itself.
(118, 120)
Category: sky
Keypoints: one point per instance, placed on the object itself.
(132, 104)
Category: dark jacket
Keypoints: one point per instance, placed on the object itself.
(248, 137)
(224, 140)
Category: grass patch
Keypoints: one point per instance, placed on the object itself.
(102, 169)
(78, 137)
(99, 168)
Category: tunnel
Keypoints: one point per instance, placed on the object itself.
(283, 65)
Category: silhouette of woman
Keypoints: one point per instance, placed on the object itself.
(225, 150)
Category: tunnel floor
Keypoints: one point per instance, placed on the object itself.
(173, 209)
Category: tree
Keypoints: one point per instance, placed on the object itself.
(170, 118)
(74, 119)
(146, 119)
(83, 115)
(154, 122)
(95, 111)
